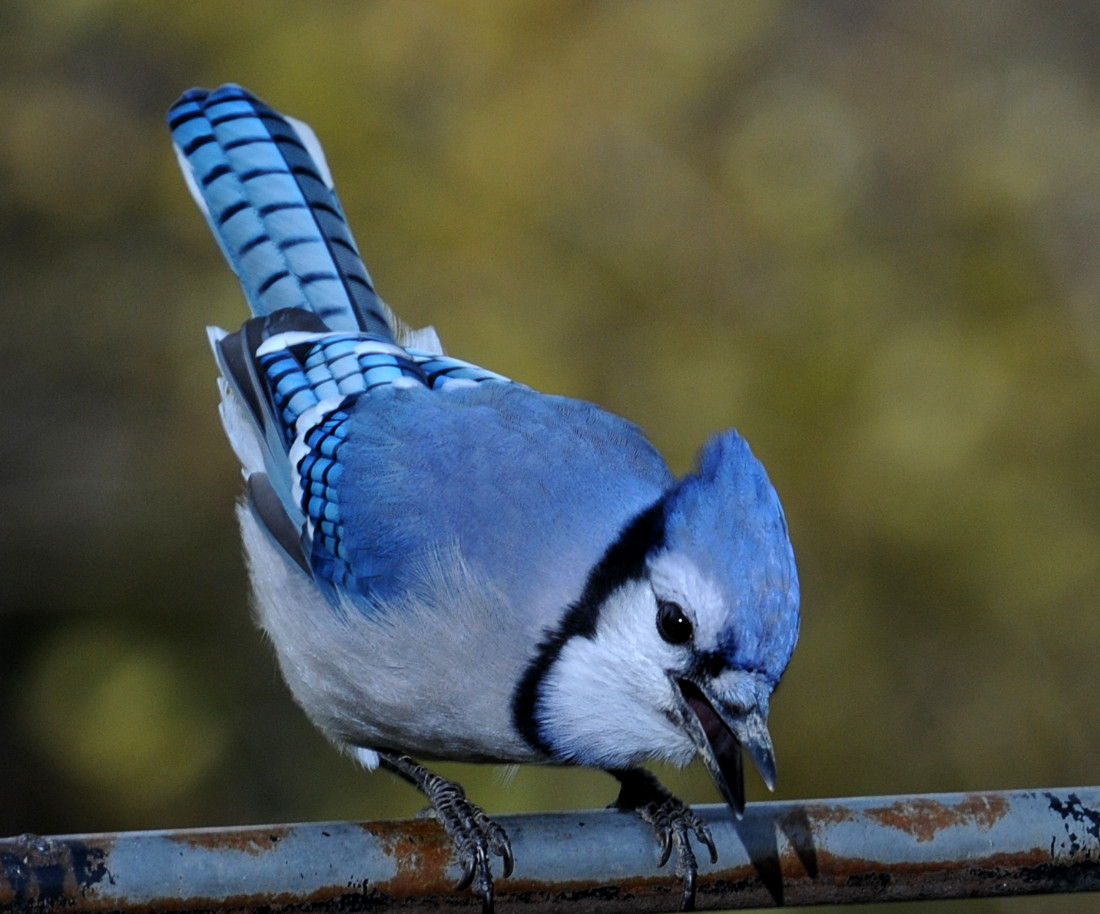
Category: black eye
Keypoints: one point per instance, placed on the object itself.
(672, 622)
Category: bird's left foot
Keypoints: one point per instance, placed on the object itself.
(474, 835)
(673, 822)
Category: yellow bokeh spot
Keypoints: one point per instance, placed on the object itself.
(118, 714)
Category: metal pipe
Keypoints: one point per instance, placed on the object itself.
(791, 853)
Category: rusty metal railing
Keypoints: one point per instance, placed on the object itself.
(792, 853)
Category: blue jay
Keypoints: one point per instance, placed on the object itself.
(453, 565)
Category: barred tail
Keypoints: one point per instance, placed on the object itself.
(263, 184)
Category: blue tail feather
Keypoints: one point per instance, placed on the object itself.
(262, 182)
(320, 337)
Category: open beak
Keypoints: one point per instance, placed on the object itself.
(721, 727)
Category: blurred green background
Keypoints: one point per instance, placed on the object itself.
(865, 234)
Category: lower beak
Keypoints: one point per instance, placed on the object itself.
(720, 728)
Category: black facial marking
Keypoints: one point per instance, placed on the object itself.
(709, 664)
(623, 561)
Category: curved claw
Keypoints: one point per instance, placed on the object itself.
(469, 865)
(504, 851)
(702, 833)
(664, 835)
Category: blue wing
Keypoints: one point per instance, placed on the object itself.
(300, 385)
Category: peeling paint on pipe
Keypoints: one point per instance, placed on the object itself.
(792, 853)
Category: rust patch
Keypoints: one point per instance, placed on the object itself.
(425, 867)
(923, 818)
(252, 841)
(826, 813)
(421, 852)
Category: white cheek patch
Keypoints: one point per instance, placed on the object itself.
(606, 700)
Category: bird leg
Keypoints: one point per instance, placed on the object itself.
(673, 822)
(473, 834)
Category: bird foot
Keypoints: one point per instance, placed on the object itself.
(673, 823)
(474, 836)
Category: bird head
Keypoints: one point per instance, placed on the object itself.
(684, 629)
(726, 593)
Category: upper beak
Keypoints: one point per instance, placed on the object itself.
(721, 724)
